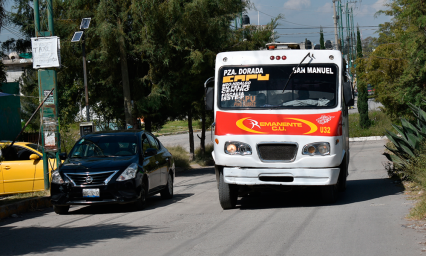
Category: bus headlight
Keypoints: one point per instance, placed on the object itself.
(237, 148)
(318, 148)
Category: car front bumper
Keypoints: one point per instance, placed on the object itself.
(272, 176)
(114, 193)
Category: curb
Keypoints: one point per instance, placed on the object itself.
(371, 138)
(24, 206)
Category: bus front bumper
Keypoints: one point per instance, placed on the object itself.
(290, 177)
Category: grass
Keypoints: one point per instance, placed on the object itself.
(178, 126)
(181, 156)
(205, 159)
(413, 177)
(415, 184)
(8, 199)
(380, 122)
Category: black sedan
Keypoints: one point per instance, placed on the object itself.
(113, 167)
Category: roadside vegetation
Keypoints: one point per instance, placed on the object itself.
(182, 157)
(379, 123)
(395, 64)
(177, 126)
(407, 152)
(19, 197)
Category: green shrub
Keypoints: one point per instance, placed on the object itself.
(205, 159)
(379, 121)
(408, 142)
(407, 151)
(180, 155)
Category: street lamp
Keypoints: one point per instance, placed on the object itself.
(79, 35)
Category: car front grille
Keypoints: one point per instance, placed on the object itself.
(277, 151)
(90, 179)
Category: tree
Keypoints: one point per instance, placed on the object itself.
(369, 44)
(180, 40)
(362, 103)
(397, 67)
(322, 46)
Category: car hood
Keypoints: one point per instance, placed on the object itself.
(97, 164)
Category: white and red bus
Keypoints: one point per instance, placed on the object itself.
(281, 119)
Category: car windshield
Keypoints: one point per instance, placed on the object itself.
(105, 146)
(260, 87)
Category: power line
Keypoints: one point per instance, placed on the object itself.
(15, 30)
(14, 33)
(285, 20)
(328, 27)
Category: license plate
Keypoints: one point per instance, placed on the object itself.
(92, 192)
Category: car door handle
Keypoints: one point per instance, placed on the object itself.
(156, 162)
(7, 167)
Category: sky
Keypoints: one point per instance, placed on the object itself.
(300, 15)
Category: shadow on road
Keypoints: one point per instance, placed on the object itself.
(196, 172)
(20, 240)
(357, 191)
(151, 203)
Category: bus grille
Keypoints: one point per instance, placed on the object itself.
(277, 152)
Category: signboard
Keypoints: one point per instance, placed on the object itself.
(51, 99)
(46, 52)
(50, 137)
(86, 128)
(49, 110)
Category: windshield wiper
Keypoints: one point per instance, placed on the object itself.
(289, 77)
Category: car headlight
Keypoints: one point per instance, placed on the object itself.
(237, 148)
(318, 148)
(56, 178)
(129, 173)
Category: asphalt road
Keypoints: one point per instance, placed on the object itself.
(183, 140)
(368, 219)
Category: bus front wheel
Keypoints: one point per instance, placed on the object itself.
(228, 193)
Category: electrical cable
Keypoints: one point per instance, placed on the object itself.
(14, 33)
(329, 27)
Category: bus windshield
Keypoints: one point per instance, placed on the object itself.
(260, 87)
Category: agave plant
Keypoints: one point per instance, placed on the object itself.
(409, 138)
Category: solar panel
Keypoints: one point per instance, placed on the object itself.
(77, 36)
(85, 22)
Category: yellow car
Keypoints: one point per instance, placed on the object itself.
(21, 168)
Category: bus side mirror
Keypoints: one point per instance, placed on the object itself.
(209, 99)
(348, 94)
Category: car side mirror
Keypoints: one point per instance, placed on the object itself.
(34, 157)
(209, 98)
(150, 152)
(348, 94)
(63, 156)
(209, 94)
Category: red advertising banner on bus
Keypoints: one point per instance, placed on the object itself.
(329, 124)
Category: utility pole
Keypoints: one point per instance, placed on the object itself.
(342, 40)
(348, 37)
(47, 82)
(353, 34)
(85, 80)
(336, 38)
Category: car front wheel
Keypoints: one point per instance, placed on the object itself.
(167, 192)
(141, 202)
(61, 209)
